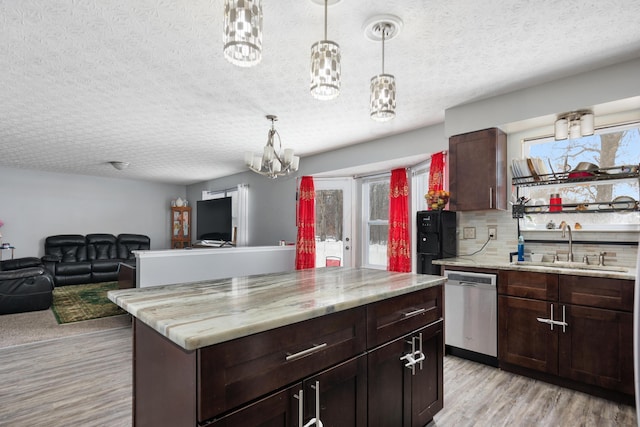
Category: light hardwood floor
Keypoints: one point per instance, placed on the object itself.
(85, 380)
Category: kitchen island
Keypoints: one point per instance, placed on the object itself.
(337, 346)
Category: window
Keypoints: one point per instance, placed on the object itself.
(611, 150)
(375, 208)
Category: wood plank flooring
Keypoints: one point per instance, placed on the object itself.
(86, 380)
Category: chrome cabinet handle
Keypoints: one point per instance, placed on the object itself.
(415, 356)
(302, 353)
(415, 312)
(316, 420)
(550, 321)
(300, 407)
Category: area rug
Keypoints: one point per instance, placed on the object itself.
(74, 303)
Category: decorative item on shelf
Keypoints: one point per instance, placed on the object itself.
(574, 125)
(242, 36)
(325, 64)
(179, 202)
(437, 199)
(273, 163)
(383, 86)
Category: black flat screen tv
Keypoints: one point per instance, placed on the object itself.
(214, 219)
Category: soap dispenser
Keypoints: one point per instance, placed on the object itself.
(520, 248)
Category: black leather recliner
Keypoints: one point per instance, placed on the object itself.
(66, 258)
(25, 285)
(103, 254)
(132, 242)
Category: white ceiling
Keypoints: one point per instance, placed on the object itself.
(85, 82)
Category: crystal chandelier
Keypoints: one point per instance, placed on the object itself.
(243, 32)
(574, 125)
(383, 86)
(325, 66)
(273, 163)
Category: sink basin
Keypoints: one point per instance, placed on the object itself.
(573, 266)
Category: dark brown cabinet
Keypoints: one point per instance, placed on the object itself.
(478, 170)
(407, 393)
(288, 376)
(571, 327)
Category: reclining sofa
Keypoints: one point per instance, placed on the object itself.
(74, 259)
(25, 285)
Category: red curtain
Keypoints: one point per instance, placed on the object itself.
(399, 243)
(436, 171)
(306, 241)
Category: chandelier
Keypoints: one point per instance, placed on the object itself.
(574, 125)
(383, 86)
(273, 163)
(325, 65)
(242, 35)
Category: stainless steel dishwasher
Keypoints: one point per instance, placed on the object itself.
(471, 313)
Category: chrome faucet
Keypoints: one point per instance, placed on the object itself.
(564, 227)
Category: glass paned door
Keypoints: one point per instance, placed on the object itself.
(333, 222)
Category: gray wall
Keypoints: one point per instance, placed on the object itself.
(34, 205)
(272, 203)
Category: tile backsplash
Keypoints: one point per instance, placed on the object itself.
(507, 241)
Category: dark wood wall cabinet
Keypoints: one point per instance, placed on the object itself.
(376, 365)
(573, 330)
(478, 170)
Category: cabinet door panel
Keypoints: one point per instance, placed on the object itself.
(526, 284)
(598, 292)
(524, 341)
(427, 392)
(343, 394)
(478, 171)
(277, 410)
(597, 347)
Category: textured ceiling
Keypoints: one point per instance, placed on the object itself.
(85, 82)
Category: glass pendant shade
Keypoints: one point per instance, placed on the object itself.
(243, 32)
(383, 97)
(325, 70)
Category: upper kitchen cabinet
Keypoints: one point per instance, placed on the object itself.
(478, 170)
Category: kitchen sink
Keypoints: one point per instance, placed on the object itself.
(572, 266)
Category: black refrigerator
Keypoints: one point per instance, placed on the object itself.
(436, 239)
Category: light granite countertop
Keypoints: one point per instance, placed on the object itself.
(196, 315)
(612, 272)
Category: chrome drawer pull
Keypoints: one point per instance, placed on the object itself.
(415, 312)
(305, 352)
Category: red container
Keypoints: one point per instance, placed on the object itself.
(555, 203)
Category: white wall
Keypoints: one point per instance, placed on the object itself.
(34, 205)
(272, 203)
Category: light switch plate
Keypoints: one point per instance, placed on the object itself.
(469, 233)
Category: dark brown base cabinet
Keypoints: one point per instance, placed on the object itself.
(577, 329)
(347, 367)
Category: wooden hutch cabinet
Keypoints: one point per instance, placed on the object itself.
(180, 227)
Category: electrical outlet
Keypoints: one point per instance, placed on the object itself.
(493, 233)
(469, 233)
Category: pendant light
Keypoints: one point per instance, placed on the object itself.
(325, 64)
(274, 161)
(243, 32)
(383, 86)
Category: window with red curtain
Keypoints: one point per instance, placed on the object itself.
(306, 240)
(399, 243)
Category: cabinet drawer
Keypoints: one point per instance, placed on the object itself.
(615, 294)
(400, 315)
(525, 284)
(233, 373)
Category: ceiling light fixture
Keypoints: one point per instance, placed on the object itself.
(243, 32)
(574, 125)
(383, 86)
(273, 163)
(325, 64)
(120, 165)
